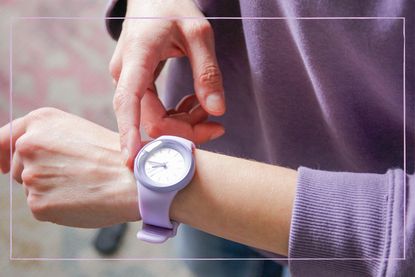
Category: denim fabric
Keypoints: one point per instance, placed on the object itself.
(192, 243)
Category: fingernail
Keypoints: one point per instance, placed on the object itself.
(217, 134)
(214, 102)
(125, 155)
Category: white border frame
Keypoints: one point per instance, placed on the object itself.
(221, 18)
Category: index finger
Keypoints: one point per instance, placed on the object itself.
(134, 80)
(8, 136)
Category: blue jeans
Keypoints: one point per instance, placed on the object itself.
(192, 243)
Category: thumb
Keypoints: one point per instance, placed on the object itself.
(206, 73)
(8, 138)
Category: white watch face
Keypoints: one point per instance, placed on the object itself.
(165, 166)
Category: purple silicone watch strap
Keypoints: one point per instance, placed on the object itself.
(155, 205)
(154, 209)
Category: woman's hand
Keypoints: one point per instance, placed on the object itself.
(142, 48)
(72, 169)
(73, 175)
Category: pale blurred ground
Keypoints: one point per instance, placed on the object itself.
(64, 64)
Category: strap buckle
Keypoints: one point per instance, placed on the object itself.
(156, 234)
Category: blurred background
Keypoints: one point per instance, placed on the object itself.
(63, 64)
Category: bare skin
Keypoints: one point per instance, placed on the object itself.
(142, 49)
(74, 174)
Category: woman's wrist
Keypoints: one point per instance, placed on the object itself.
(240, 200)
(122, 191)
(126, 196)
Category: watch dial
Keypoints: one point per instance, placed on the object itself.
(165, 166)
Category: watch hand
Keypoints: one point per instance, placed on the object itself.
(153, 162)
(159, 165)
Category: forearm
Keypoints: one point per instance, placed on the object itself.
(237, 199)
(80, 179)
(240, 200)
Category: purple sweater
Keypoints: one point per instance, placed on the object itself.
(324, 96)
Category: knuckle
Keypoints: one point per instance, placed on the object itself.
(40, 209)
(134, 41)
(29, 177)
(152, 130)
(146, 65)
(124, 98)
(138, 36)
(29, 144)
(43, 112)
(123, 132)
(200, 28)
(114, 69)
(24, 145)
(21, 144)
(211, 76)
(120, 99)
(140, 46)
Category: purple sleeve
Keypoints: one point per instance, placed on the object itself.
(115, 8)
(354, 219)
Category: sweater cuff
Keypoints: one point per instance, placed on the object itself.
(115, 8)
(343, 216)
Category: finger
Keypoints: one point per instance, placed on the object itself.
(181, 116)
(152, 108)
(170, 126)
(199, 133)
(17, 168)
(134, 144)
(115, 64)
(132, 85)
(14, 130)
(187, 103)
(156, 122)
(206, 73)
(198, 115)
(154, 111)
(207, 131)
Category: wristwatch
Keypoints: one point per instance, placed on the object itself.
(161, 168)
